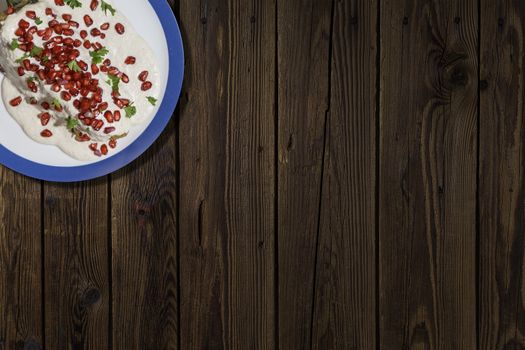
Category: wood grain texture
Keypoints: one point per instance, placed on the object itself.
(20, 262)
(303, 92)
(428, 174)
(228, 176)
(77, 296)
(144, 249)
(501, 189)
(344, 309)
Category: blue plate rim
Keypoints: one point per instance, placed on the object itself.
(143, 142)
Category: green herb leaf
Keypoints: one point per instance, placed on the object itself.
(36, 51)
(73, 65)
(116, 137)
(71, 123)
(14, 45)
(56, 103)
(45, 59)
(114, 82)
(38, 21)
(73, 3)
(31, 79)
(107, 7)
(130, 110)
(98, 55)
(152, 100)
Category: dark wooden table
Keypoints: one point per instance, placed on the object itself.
(339, 174)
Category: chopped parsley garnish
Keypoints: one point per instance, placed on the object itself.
(98, 55)
(56, 103)
(152, 100)
(71, 123)
(36, 51)
(107, 7)
(130, 110)
(114, 82)
(73, 3)
(45, 59)
(73, 65)
(31, 79)
(19, 60)
(38, 21)
(14, 45)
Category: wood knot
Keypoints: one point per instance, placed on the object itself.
(90, 297)
(456, 75)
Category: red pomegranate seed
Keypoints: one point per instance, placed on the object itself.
(113, 71)
(119, 27)
(93, 146)
(55, 87)
(102, 36)
(66, 96)
(87, 44)
(107, 62)
(109, 116)
(46, 132)
(124, 78)
(77, 43)
(52, 23)
(88, 20)
(49, 12)
(94, 69)
(116, 116)
(73, 24)
(112, 143)
(20, 32)
(109, 130)
(59, 2)
(23, 24)
(45, 105)
(10, 10)
(94, 4)
(68, 32)
(16, 101)
(104, 149)
(41, 74)
(32, 30)
(41, 32)
(67, 17)
(146, 86)
(130, 60)
(31, 14)
(21, 71)
(143, 76)
(104, 26)
(95, 32)
(33, 101)
(44, 118)
(68, 41)
(97, 153)
(83, 34)
(103, 106)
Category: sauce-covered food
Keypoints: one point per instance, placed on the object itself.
(78, 75)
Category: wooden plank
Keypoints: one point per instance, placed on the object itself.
(501, 188)
(345, 290)
(77, 295)
(428, 167)
(303, 67)
(227, 175)
(20, 262)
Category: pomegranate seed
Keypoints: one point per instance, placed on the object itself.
(116, 116)
(10, 10)
(119, 27)
(21, 71)
(23, 24)
(83, 34)
(20, 32)
(59, 2)
(52, 23)
(49, 12)
(28, 37)
(44, 118)
(77, 43)
(68, 41)
(94, 4)
(109, 116)
(32, 30)
(104, 149)
(95, 32)
(107, 62)
(66, 96)
(105, 26)
(46, 132)
(41, 74)
(113, 71)
(41, 32)
(45, 105)
(143, 76)
(73, 24)
(67, 17)
(94, 69)
(16, 101)
(31, 14)
(55, 87)
(93, 146)
(97, 153)
(68, 32)
(33, 101)
(146, 86)
(125, 78)
(109, 130)
(87, 44)
(130, 60)
(87, 121)
(112, 143)
(88, 20)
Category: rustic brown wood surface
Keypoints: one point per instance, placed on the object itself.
(339, 174)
